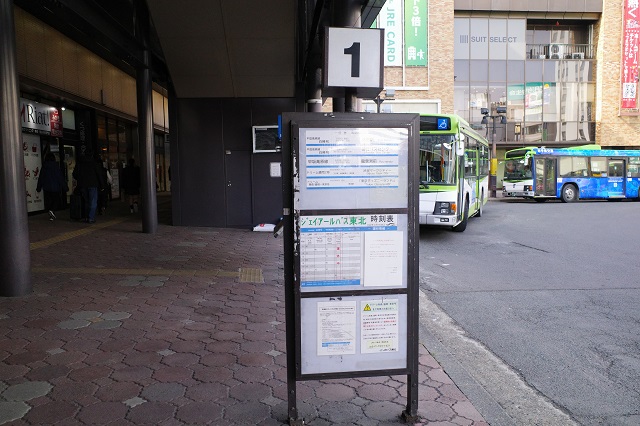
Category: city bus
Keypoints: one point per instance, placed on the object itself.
(570, 174)
(454, 171)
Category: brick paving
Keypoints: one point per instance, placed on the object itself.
(186, 326)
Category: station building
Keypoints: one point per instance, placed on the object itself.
(183, 87)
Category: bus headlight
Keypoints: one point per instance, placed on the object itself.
(445, 207)
(528, 188)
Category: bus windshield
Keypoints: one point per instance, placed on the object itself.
(437, 163)
(517, 168)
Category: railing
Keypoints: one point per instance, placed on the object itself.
(560, 51)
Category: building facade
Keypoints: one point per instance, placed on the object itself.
(559, 68)
(88, 103)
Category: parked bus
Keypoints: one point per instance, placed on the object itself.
(517, 180)
(454, 171)
(584, 172)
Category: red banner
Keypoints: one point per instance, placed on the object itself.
(630, 33)
(56, 122)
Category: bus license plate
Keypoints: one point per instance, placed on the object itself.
(444, 220)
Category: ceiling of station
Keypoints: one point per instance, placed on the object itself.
(227, 48)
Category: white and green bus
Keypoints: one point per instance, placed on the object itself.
(454, 171)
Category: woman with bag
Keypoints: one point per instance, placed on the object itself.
(53, 183)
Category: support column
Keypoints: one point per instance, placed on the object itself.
(314, 99)
(346, 13)
(15, 257)
(144, 93)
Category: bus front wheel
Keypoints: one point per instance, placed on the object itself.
(569, 193)
(465, 218)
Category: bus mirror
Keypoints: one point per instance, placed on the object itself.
(460, 148)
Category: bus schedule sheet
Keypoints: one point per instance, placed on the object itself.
(352, 158)
(362, 250)
(353, 168)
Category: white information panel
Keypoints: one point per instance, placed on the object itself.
(353, 333)
(351, 244)
(353, 251)
(352, 168)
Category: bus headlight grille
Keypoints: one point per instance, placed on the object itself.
(445, 207)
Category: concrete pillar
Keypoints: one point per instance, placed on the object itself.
(15, 257)
(144, 92)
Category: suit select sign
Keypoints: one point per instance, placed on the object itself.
(353, 59)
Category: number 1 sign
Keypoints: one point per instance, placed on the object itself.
(353, 59)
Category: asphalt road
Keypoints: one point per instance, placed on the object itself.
(553, 291)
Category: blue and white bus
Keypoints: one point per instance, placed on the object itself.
(570, 174)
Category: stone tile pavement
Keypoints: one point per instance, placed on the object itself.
(186, 326)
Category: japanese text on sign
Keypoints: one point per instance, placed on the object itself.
(351, 158)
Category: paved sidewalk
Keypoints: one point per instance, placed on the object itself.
(185, 326)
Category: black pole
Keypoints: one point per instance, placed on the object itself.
(144, 93)
(346, 13)
(15, 257)
(493, 178)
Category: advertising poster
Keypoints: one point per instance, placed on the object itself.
(32, 167)
(415, 32)
(630, 45)
(390, 18)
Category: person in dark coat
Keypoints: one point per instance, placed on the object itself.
(89, 181)
(52, 182)
(103, 194)
(131, 184)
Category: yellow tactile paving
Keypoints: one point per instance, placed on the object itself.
(247, 275)
(251, 275)
(69, 235)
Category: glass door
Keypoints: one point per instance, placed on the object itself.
(545, 177)
(615, 178)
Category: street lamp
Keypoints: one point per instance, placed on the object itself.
(500, 111)
(389, 96)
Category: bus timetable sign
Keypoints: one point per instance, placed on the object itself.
(350, 187)
(353, 59)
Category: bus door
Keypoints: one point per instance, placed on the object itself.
(545, 177)
(615, 178)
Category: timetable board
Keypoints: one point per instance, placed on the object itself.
(351, 230)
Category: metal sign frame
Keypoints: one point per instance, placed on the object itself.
(344, 205)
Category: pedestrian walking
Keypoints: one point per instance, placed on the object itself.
(52, 182)
(131, 184)
(89, 181)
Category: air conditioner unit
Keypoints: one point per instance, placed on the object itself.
(577, 55)
(556, 51)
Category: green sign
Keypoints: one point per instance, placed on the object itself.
(415, 32)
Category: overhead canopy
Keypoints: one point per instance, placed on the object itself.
(205, 48)
(228, 48)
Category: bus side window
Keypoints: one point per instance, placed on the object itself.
(633, 167)
(598, 167)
